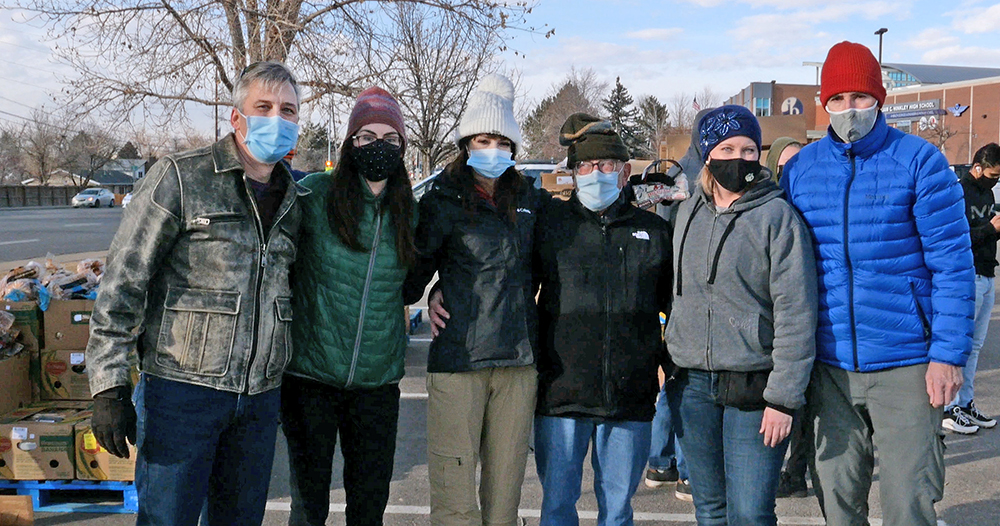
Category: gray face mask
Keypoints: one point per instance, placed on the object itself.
(852, 124)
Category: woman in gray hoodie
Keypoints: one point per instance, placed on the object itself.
(745, 288)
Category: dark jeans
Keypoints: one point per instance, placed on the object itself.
(200, 447)
(734, 476)
(664, 447)
(800, 446)
(312, 414)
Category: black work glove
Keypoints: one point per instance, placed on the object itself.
(114, 420)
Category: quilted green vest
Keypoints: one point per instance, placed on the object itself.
(348, 330)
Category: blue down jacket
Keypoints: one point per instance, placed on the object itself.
(892, 250)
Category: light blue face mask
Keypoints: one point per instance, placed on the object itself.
(270, 138)
(597, 190)
(490, 162)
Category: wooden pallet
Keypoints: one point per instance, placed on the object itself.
(76, 496)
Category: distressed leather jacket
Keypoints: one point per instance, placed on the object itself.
(193, 284)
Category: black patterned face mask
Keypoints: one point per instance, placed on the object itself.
(377, 160)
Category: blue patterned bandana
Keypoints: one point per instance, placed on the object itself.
(725, 122)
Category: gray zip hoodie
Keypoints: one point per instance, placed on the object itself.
(745, 279)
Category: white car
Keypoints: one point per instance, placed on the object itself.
(94, 197)
(533, 170)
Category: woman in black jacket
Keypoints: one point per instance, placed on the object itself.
(476, 231)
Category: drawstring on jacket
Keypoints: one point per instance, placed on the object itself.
(718, 250)
(680, 251)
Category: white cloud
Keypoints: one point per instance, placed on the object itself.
(963, 55)
(979, 20)
(664, 33)
(932, 38)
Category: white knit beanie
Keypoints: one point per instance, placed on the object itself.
(491, 110)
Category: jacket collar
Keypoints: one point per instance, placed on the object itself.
(864, 147)
(620, 210)
(226, 159)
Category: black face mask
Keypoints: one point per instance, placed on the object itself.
(377, 160)
(734, 174)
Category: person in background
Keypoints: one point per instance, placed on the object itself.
(476, 230)
(896, 308)
(793, 477)
(355, 247)
(666, 457)
(666, 462)
(961, 415)
(605, 272)
(782, 150)
(744, 271)
(197, 284)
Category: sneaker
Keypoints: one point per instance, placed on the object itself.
(976, 417)
(956, 422)
(683, 491)
(790, 486)
(660, 477)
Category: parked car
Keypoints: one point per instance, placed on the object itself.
(127, 199)
(94, 197)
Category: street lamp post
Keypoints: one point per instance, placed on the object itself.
(880, 32)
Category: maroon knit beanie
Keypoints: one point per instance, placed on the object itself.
(376, 105)
(851, 67)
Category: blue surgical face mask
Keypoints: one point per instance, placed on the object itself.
(490, 162)
(269, 138)
(597, 190)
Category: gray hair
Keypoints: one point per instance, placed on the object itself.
(272, 75)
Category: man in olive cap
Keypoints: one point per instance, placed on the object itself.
(605, 271)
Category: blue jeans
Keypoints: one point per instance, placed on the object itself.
(664, 448)
(619, 457)
(200, 447)
(734, 476)
(985, 297)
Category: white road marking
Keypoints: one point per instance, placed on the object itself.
(18, 242)
(584, 514)
(77, 225)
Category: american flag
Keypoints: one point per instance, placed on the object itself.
(695, 105)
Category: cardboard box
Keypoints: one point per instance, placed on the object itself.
(67, 324)
(16, 510)
(93, 462)
(26, 314)
(63, 375)
(15, 381)
(37, 444)
(559, 184)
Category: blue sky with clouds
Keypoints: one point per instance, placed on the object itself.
(662, 48)
(657, 47)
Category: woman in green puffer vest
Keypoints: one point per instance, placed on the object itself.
(355, 246)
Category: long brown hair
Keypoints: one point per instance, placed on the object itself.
(346, 200)
(505, 191)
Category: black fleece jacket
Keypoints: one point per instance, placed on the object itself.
(604, 280)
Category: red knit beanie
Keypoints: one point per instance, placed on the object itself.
(376, 105)
(851, 67)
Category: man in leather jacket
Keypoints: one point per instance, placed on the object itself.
(197, 286)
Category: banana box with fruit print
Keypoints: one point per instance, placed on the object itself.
(63, 375)
(93, 462)
(37, 443)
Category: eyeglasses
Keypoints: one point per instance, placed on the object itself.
(605, 165)
(364, 139)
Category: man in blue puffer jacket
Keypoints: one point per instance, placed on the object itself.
(896, 299)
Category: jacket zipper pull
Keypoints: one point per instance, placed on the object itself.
(263, 255)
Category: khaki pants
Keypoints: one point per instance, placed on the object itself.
(480, 416)
(857, 413)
